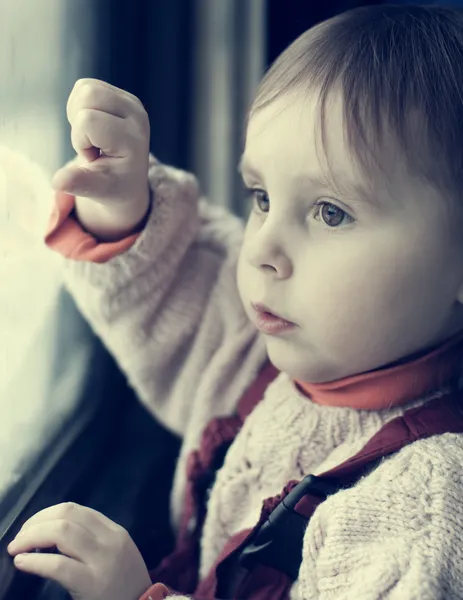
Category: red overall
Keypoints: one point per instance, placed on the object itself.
(262, 579)
(256, 575)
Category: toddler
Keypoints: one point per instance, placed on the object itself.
(280, 351)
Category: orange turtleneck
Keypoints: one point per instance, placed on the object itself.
(394, 385)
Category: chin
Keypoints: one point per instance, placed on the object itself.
(302, 366)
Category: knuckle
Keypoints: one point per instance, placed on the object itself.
(85, 81)
(85, 119)
(98, 581)
(64, 526)
(80, 82)
(138, 134)
(75, 92)
(137, 111)
(88, 94)
(70, 507)
(58, 568)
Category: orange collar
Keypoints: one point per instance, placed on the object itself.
(395, 385)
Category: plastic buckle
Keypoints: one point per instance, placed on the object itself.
(278, 542)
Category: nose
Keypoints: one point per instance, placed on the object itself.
(266, 252)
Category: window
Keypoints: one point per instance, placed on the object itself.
(38, 64)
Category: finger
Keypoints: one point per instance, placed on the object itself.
(87, 180)
(96, 129)
(101, 96)
(89, 80)
(67, 572)
(158, 592)
(71, 539)
(90, 154)
(88, 518)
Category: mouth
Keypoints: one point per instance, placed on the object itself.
(269, 322)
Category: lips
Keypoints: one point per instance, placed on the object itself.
(262, 308)
(269, 322)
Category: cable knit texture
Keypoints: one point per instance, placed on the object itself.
(168, 309)
(390, 536)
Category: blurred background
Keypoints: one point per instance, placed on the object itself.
(195, 65)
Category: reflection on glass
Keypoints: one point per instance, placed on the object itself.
(38, 59)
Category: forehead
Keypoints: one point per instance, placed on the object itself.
(285, 138)
(287, 134)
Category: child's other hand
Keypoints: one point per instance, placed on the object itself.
(110, 132)
(98, 560)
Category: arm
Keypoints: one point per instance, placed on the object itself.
(167, 307)
(394, 535)
(164, 301)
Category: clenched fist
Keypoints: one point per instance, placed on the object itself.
(110, 133)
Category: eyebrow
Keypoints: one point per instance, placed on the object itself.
(356, 191)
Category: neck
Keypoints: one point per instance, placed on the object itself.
(402, 381)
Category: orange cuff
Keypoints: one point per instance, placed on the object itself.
(158, 591)
(67, 237)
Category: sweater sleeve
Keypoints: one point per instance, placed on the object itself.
(397, 534)
(164, 301)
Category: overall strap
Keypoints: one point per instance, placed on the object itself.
(438, 416)
(276, 544)
(180, 569)
(254, 394)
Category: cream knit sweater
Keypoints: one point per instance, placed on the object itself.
(169, 311)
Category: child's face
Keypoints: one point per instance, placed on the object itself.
(379, 284)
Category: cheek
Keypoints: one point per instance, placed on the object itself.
(357, 289)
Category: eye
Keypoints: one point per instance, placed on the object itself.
(260, 199)
(331, 215)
